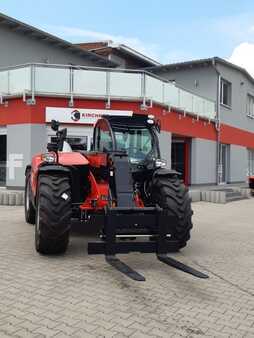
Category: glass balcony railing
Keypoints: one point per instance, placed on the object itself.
(73, 81)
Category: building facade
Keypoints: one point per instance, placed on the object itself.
(231, 154)
(22, 43)
(34, 94)
(206, 107)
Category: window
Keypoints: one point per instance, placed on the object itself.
(76, 143)
(105, 143)
(97, 140)
(250, 162)
(250, 105)
(225, 93)
(138, 143)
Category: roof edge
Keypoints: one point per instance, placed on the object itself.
(199, 62)
(123, 48)
(93, 56)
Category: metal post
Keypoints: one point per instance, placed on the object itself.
(71, 84)
(179, 100)
(108, 103)
(143, 90)
(32, 100)
(163, 92)
(8, 82)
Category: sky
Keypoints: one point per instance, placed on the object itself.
(168, 31)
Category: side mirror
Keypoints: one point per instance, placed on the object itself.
(55, 125)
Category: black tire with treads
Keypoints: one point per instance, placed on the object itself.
(53, 214)
(172, 195)
(29, 208)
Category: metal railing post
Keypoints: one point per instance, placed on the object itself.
(32, 70)
(71, 87)
(108, 103)
(143, 90)
(8, 82)
(179, 98)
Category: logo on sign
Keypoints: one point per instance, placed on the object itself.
(75, 115)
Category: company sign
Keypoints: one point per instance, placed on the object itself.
(81, 116)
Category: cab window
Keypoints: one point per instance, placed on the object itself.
(106, 143)
(103, 138)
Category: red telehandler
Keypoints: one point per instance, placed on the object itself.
(122, 182)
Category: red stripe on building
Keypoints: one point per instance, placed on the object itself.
(188, 126)
(232, 135)
(18, 112)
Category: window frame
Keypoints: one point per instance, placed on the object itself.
(229, 84)
(249, 98)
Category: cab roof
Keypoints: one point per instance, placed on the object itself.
(134, 121)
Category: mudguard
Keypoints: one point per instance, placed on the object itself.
(28, 169)
(165, 172)
(56, 168)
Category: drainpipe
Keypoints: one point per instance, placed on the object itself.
(217, 126)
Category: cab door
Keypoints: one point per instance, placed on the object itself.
(103, 140)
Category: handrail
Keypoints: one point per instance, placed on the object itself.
(81, 81)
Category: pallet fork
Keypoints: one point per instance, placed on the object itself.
(126, 223)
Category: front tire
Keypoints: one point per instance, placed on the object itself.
(29, 208)
(172, 195)
(53, 214)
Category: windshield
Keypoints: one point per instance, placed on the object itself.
(138, 143)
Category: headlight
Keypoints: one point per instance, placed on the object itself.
(150, 119)
(159, 163)
(49, 157)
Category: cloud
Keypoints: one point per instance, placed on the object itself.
(83, 35)
(243, 56)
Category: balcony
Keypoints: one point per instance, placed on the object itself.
(73, 82)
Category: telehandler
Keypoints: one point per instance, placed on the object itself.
(122, 183)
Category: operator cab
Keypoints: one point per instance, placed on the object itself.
(134, 136)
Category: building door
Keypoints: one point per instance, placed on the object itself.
(224, 160)
(180, 157)
(3, 156)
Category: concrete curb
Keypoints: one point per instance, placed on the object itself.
(246, 192)
(16, 198)
(11, 198)
(195, 195)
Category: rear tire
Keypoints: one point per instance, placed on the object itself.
(172, 195)
(29, 208)
(53, 214)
